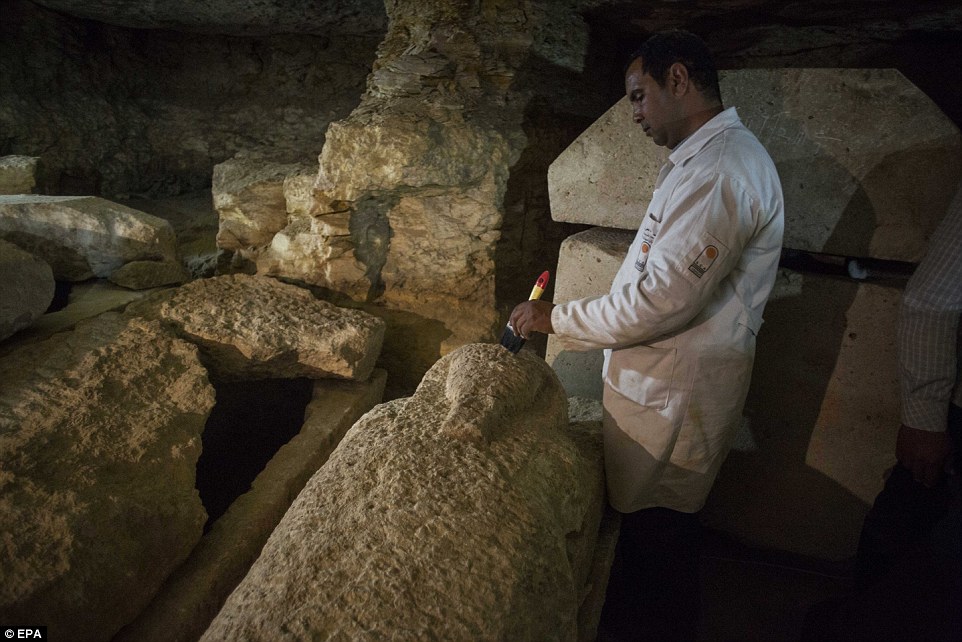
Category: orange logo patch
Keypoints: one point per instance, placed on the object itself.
(704, 261)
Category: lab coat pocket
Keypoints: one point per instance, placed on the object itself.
(642, 374)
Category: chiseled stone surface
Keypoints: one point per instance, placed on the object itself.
(251, 327)
(18, 174)
(100, 431)
(84, 236)
(26, 288)
(868, 162)
(409, 531)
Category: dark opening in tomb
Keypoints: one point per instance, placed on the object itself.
(249, 423)
(61, 296)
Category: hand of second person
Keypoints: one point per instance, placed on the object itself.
(923, 452)
(531, 316)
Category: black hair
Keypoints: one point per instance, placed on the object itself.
(663, 49)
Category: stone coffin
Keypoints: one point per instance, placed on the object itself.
(100, 432)
(84, 236)
(868, 162)
(822, 410)
(26, 289)
(254, 327)
(468, 511)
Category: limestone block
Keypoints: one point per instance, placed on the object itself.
(376, 152)
(249, 196)
(298, 190)
(84, 236)
(822, 415)
(100, 431)
(408, 531)
(868, 162)
(317, 250)
(18, 174)
(253, 327)
(26, 289)
(191, 597)
(587, 264)
(143, 275)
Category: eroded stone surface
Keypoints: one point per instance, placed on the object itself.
(26, 288)
(249, 198)
(252, 327)
(84, 236)
(408, 529)
(99, 439)
(868, 162)
(18, 174)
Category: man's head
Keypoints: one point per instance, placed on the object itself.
(672, 84)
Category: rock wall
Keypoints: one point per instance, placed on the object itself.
(114, 111)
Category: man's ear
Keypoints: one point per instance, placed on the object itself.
(678, 79)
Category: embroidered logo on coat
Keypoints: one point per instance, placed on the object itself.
(648, 236)
(704, 261)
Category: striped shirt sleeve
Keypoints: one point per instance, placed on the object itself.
(928, 335)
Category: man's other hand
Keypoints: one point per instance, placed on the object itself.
(923, 452)
(531, 316)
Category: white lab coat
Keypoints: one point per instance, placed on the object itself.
(679, 323)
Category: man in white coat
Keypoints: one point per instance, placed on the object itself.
(678, 325)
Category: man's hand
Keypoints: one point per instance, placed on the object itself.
(923, 452)
(531, 316)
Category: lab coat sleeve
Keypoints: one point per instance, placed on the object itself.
(703, 231)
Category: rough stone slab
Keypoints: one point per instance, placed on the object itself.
(409, 532)
(193, 595)
(18, 174)
(26, 289)
(256, 327)
(100, 431)
(84, 236)
(822, 415)
(868, 162)
(249, 198)
(587, 263)
(143, 275)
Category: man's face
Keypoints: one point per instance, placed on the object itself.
(654, 107)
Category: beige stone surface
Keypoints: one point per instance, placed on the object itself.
(587, 264)
(18, 174)
(190, 599)
(26, 289)
(251, 327)
(100, 431)
(868, 162)
(250, 200)
(84, 236)
(409, 532)
(821, 418)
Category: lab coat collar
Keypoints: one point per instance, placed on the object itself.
(693, 144)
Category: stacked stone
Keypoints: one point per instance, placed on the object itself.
(868, 164)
